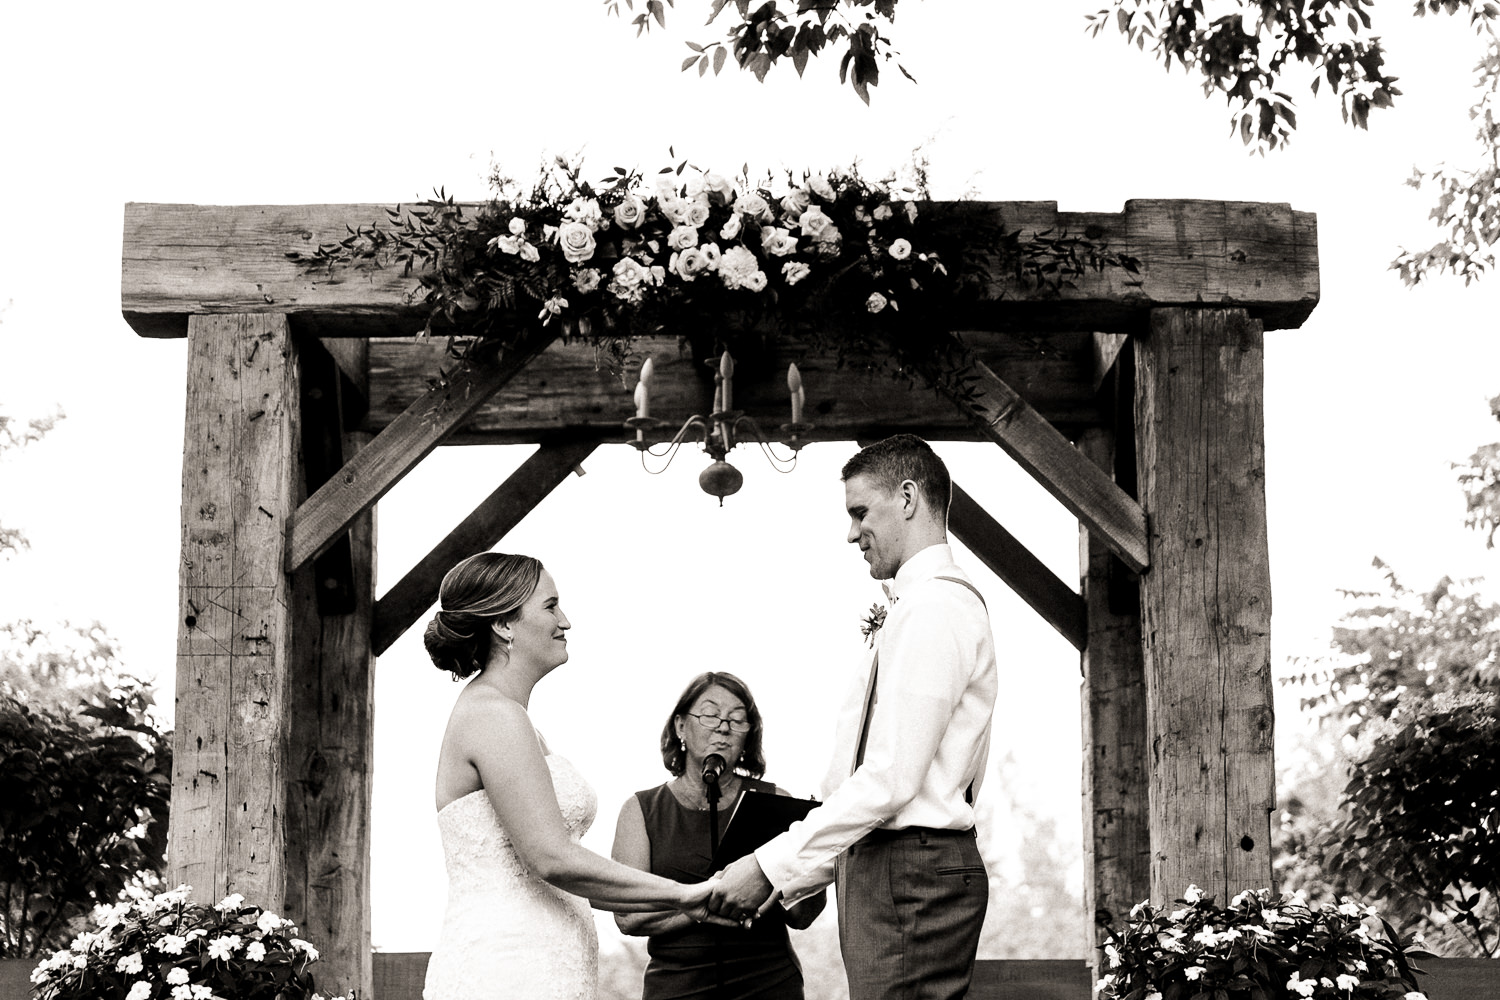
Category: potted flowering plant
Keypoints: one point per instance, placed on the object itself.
(1262, 946)
(158, 946)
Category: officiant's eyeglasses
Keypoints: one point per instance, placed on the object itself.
(712, 722)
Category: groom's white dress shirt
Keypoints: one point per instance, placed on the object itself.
(929, 732)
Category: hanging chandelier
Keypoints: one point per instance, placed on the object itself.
(719, 431)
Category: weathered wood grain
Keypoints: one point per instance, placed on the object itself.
(1206, 602)
(407, 440)
(496, 515)
(185, 259)
(1116, 836)
(1003, 416)
(1014, 564)
(330, 761)
(567, 389)
(239, 473)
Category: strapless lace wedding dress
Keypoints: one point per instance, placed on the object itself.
(506, 933)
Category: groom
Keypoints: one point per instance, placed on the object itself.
(896, 828)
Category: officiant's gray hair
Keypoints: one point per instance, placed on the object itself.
(901, 457)
(484, 588)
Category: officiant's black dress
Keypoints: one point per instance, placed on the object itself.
(695, 961)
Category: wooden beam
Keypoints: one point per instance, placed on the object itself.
(566, 390)
(1116, 836)
(330, 766)
(184, 259)
(495, 516)
(239, 476)
(1003, 416)
(1206, 603)
(352, 355)
(1014, 564)
(1106, 348)
(405, 441)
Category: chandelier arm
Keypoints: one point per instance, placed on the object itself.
(782, 465)
(674, 445)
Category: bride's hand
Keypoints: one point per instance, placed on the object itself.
(694, 904)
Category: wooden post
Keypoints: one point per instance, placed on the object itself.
(1206, 601)
(331, 739)
(239, 473)
(1116, 846)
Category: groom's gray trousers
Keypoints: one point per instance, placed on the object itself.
(911, 903)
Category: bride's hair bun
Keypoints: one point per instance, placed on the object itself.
(478, 592)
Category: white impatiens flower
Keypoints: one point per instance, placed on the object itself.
(183, 992)
(140, 991)
(1153, 995)
(1193, 894)
(305, 948)
(1304, 987)
(1193, 972)
(130, 964)
(233, 901)
(1349, 908)
(255, 951)
(1178, 915)
(222, 948)
(1104, 984)
(137, 832)
(1414, 995)
(202, 992)
(1113, 954)
(177, 976)
(1347, 982)
(171, 944)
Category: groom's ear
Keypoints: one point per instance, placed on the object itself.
(909, 499)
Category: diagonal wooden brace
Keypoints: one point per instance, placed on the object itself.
(407, 440)
(1001, 415)
(495, 516)
(1014, 564)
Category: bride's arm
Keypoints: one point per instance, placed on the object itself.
(633, 848)
(501, 744)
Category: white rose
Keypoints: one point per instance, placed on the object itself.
(794, 271)
(576, 240)
(696, 214)
(882, 211)
(911, 211)
(530, 253)
(814, 223)
(586, 280)
(683, 237)
(900, 249)
(517, 225)
(657, 274)
(630, 212)
(756, 282)
(819, 186)
(711, 255)
(675, 209)
(629, 272)
(875, 302)
(718, 186)
(777, 241)
(753, 205)
(584, 210)
(795, 203)
(689, 263)
(666, 184)
(731, 228)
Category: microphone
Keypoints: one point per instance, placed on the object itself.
(713, 766)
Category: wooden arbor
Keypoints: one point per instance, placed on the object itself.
(1135, 399)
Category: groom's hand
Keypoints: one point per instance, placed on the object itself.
(741, 890)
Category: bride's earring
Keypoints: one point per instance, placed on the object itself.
(505, 634)
(682, 745)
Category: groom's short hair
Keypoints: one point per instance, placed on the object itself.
(901, 457)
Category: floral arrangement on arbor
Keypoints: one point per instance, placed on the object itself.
(161, 947)
(831, 258)
(1261, 945)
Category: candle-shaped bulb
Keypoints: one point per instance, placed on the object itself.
(643, 391)
(794, 383)
(726, 372)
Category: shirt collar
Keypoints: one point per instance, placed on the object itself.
(922, 566)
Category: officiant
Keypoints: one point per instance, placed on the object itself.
(711, 744)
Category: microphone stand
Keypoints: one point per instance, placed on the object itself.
(711, 792)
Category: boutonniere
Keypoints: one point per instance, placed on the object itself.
(872, 622)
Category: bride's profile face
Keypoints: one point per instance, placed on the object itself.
(539, 632)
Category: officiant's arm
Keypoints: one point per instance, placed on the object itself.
(633, 848)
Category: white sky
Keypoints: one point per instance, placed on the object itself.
(1366, 405)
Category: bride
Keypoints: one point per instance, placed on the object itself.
(510, 812)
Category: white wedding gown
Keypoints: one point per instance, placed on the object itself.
(506, 933)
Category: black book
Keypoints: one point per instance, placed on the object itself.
(757, 818)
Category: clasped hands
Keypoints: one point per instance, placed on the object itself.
(741, 893)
